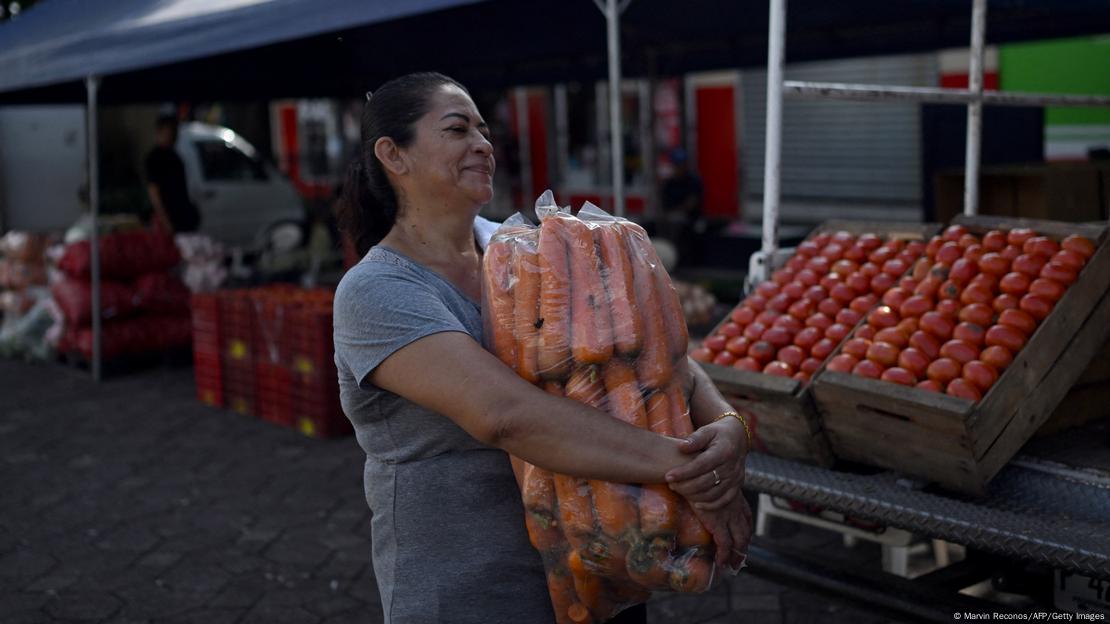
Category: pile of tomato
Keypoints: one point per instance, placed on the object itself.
(965, 310)
(792, 323)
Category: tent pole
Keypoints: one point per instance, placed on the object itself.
(772, 171)
(975, 108)
(92, 83)
(616, 144)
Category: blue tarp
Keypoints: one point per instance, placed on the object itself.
(151, 50)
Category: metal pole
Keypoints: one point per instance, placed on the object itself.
(524, 145)
(975, 108)
(91, 85)
(772, 171)
(616, 144)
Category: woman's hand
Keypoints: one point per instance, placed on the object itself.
(712, 480)
(731, 528)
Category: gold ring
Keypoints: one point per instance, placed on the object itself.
(716, 477)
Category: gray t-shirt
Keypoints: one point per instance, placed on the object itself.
(449, 543)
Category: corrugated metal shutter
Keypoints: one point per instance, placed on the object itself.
(859, 152)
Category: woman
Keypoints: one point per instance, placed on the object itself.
(436, 413)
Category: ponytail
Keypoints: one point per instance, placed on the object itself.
(368, 208)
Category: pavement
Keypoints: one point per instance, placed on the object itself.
(129, 501)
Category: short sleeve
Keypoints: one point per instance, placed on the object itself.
(376, 313)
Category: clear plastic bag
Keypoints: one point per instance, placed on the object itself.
(582, 307)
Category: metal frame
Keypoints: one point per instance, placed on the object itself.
(612, 10)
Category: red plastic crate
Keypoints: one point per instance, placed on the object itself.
(273, 393)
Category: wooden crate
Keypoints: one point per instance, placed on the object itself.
(953, 441)
(1087, 399)
(786, 419)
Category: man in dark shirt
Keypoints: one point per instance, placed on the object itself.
(165, 174)
(682, 200)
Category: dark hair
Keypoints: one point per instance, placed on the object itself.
(368, 208)
(165, 121)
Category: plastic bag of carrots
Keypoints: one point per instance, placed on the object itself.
(582, 307)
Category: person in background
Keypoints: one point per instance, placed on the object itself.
(682, 203)
(174, 212)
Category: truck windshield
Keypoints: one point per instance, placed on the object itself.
(222, 162)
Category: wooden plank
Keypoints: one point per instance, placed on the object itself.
(930, 410)
(747, 383)
(1034, 411)
(1041, 353)
(1081, 405)
(1098, 370)
(1054, 229)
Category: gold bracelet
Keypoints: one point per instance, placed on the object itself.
(743, 421)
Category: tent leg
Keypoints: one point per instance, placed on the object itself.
(92, 83)
(761, 263)
(975, 108)
(616, 144)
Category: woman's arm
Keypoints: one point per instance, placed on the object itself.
(453, 375)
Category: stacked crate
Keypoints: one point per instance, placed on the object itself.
(206, 349)
(237, 354)
(315, 381)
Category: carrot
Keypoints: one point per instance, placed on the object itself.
(498, 295)
(653, 365)
(553, 356)
(585, 386)
(691, 532)
(659, 413)
(538, 492)
(692, 575)
(618, 514)
(625, 400)
(628, 327)
(526, 307)
(678, 335)
(680, 412)
(647, 564)
(543, 534)
(575, 509)
(586, 584)
(591, 338)
(658, 511)
(579, 614)
(560, 586)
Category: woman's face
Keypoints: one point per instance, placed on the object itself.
(451, 157)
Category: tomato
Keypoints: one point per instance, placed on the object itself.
(907, 283)
(833, 251)
(933, 246)
(702, 354)
(778, 337)
(724, 358)
(1019, 320)
(881, 283)
(778, 369)
(974, 253)
(829, 280)
(994, 240)
(980, 375)
(848, 317)
(715, 343)
(1041, 246)
(1004, 302)
(857, 348)
(755, 330)
(730, 330)
(783, 276)
(1038, 307)
(829, 307)
(882, 254)
(949, 307)
(883, 353)
(907, 326)
(808, 337)
(1016, 284)
(1005, 336)
(767, 317)
(915, 306)
(949, 290)
(994, 264)
(970, 333)
(742, 315)
(844, 268)
(859, 283)
(738, 346)
(791, 355)
(1047, 288)
(788, 323)
(794, 290)
(820, 321)
(808, 277)
(1080, 245)
(895, 297)
(959, 351)
(761, 351)
(976, 294)
(926, 343)
(809, 365)
(802, 309)
(1029, 264)
(815, 294)
(963, 389)
(756, 302)
(870, 269)
(869, 242)
(842, 293)
(864, 303)
(882, 317)
(819, 264)
(977, 313)
(855, 253)
(801, 376)
(899, 376)
(986, 280)
(842, 363)
(953, 232)
(748, 364)
(962, 271)
(779, 303)
(767, 289)
(808, 249)
(1018, 236)
(913, 360)
(916, 247)
(929, 287)
(943, 370)
(796, 263)
(1070, 259)
(822, 349)
(866, 332)
(997, 357)
(949, 253)
(822, 239)
(895, 267)
(930, 385)
(921, 269)
(867, 368)
(893, 336)
(837, 332)
(937, 324)
(1056, 271)
(1010, 252)
(967, 240)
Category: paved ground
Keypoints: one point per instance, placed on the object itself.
(129, 501)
